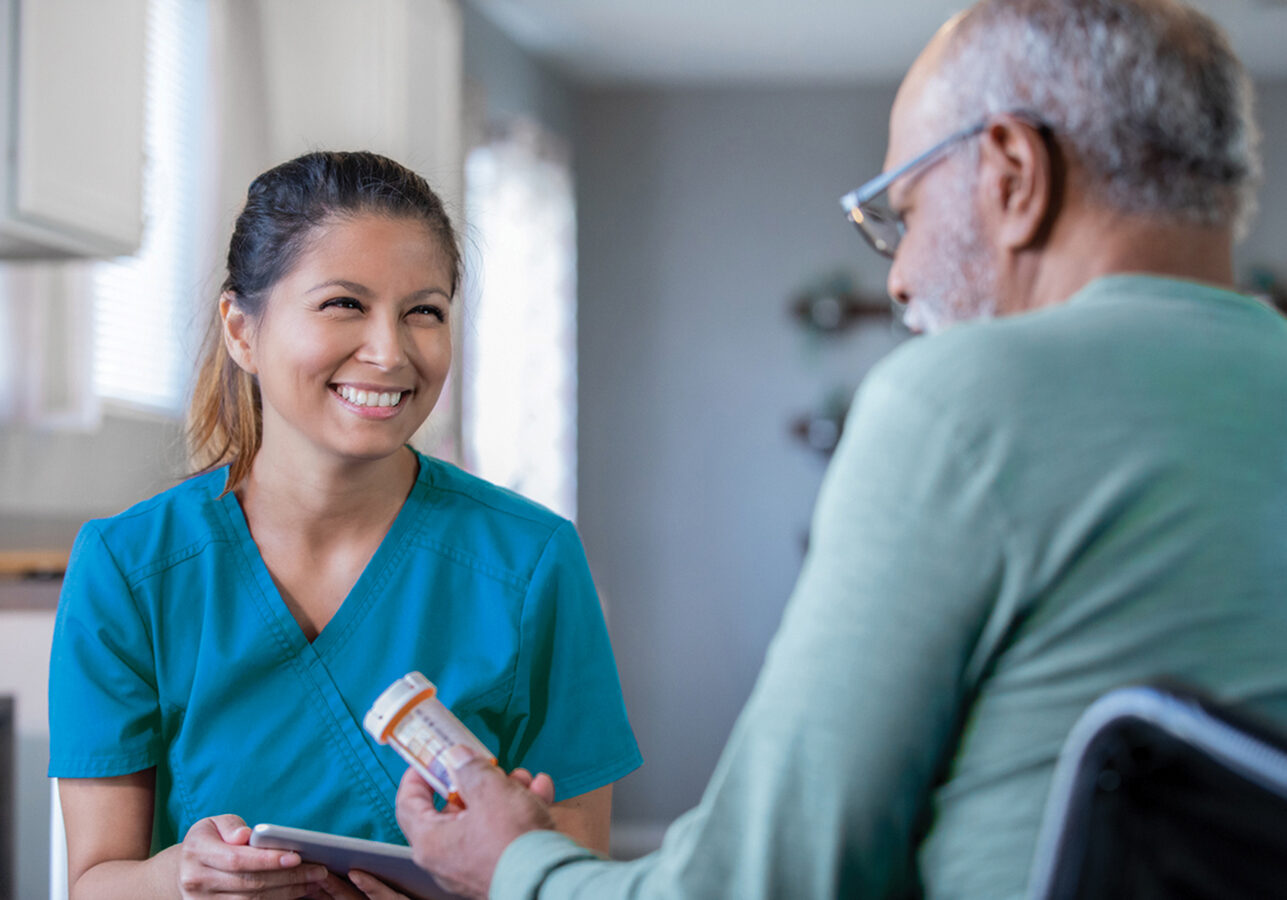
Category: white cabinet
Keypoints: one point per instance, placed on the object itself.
(71, 127)
(395, 88)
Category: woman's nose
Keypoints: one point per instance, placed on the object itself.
(382, 343)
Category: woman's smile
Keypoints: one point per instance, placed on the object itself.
(371, 402)
(354, 346)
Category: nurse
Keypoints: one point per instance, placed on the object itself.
(217, 645)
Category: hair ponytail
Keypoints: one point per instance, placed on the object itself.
(225, 418)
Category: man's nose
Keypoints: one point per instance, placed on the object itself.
(896, 285)
(900, 292)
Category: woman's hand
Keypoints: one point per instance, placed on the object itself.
(368, 887)
(217, 861)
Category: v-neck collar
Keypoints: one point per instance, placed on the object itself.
(365, 591)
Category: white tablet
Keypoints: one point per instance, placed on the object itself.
(391, 863)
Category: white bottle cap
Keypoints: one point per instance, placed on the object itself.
(391, 705)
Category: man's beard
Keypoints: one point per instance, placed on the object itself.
(963, 284)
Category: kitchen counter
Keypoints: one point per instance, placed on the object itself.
(33, 557)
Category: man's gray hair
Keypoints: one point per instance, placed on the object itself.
(1146, 94)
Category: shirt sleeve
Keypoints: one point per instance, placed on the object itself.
(824, 787)
(104, 717)
(567, 714)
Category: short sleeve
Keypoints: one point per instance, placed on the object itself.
(566, 713)
(104, 717)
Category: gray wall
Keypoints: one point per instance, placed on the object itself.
(702, 213)
(506, 81)
(1266, 244)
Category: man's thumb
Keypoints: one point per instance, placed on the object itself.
(469, 770)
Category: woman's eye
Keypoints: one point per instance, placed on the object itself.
(342, 303)
(428, 310)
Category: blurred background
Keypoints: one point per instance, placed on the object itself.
(663, 319)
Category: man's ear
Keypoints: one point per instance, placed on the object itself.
(1020, 181)
(237, 332)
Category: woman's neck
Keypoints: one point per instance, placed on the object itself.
(325, 501)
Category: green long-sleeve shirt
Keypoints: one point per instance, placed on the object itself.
(1023, 514)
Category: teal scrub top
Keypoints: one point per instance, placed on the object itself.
(173, 648)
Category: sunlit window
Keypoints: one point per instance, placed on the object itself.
(518, 364)
(143, 303)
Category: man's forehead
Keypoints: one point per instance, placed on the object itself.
(907, 127)
(916, 112)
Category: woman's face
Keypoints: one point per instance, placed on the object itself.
(354, 342)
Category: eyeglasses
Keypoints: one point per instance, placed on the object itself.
(869, 210)
(881, 226)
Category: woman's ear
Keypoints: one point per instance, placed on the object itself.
(237, 332)
(1021, 181)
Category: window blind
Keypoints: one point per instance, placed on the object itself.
(143, 304)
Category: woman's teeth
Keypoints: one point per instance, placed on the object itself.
(369, 398)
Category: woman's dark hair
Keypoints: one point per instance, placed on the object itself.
(284, 207)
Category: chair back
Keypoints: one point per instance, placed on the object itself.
(1161, 793)
(57, 846)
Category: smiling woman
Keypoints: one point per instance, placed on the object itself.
(314, 558)
(361, 318)
(326, 234)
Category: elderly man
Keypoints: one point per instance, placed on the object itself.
(1084, 487)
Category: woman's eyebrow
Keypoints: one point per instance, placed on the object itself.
(426, 293)
(362, 291)
(351, 286)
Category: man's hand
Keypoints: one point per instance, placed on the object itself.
(462, 846)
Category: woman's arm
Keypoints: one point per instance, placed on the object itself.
(109, 836)
(109, 833)
(570, 718)
(586, 818)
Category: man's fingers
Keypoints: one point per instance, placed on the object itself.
(414, 792)
(415, 808)
(543, 786)
(474, 774)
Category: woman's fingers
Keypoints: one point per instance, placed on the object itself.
(216, 860)
(231, 829)
(204, 881)
(373, 888)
